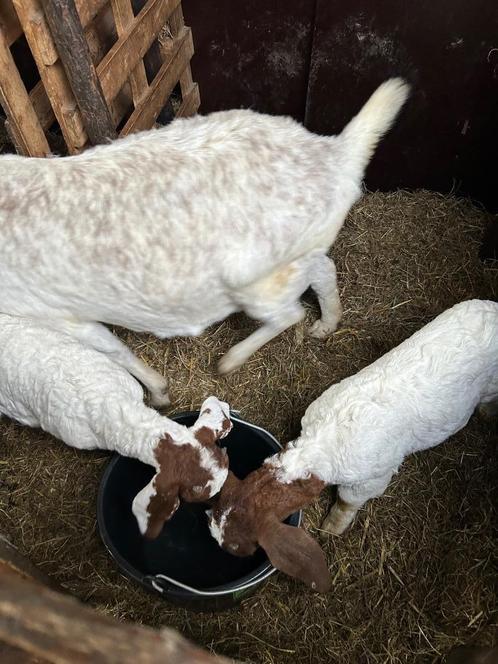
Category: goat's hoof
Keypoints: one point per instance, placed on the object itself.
(333, 526)
(321, 330)
(229, 363)
(160, 398)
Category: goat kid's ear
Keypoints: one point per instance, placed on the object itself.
(152, 508)
(213, 422)
(294, 552)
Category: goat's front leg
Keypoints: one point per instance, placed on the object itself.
(270, 329)
(349, 501)
(323, 280)
(97, 336)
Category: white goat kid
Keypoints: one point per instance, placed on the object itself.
(171, 230)
(357, 433)
(50, 380)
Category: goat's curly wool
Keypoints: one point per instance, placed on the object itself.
(410, 399)
(357, 433)
(171, 230)
(50, 380)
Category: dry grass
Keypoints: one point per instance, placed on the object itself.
(417, 572)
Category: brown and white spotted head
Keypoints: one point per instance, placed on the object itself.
(190, 466)
(249, 513)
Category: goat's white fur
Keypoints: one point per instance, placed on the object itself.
(357, 433)
(171, 230)
(50, 380)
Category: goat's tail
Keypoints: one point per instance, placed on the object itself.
(376, 117)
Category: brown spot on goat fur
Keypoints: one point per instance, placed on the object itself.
(180, 475)
(249, 513)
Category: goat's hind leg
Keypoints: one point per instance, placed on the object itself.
(323, 280)
(273, 300)
(97, 336)
(270, 329)
(349, 501)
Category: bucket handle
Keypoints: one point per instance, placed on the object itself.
(157, 579)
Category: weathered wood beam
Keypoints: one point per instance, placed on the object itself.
(37, 32)
(60, 630)
(67, 32)
(23, 124)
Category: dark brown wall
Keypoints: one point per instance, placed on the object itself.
(318, 60)
(447, 136)
(252, 53)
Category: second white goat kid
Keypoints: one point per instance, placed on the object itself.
(357, 433)
(170, 230)
(52, 381)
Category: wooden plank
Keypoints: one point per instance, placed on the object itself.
(176, 24)
(101, 35)
(67, 32)
(89, 9)
(190, 103)
(23, 123)
(61, 630)
(9, 23)
(133, 45)
(124, 17)
(42, 106)
(34, 24)
(162, 86)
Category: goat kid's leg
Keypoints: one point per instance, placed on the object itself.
(97, 336)
(349, 501)
(270, 329)
(323, 280)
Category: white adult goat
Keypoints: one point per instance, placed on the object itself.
(171, 230)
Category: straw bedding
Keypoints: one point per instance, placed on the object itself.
(416, 574)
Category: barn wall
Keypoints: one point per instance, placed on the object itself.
(318, 60)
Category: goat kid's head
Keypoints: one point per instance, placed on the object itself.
(190, 466)
(249, 513)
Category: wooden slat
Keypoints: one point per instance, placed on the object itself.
(190, 103)
(9, 23)
(101, 35)
(161, 87)
(89, 9)
(132, 45)
(124, 17)
(34, 24)
(177, 24)
(23, 123)
(41, 104)
(67, 32)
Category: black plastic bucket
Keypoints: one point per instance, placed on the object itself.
(184, 564)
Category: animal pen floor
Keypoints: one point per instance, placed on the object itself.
(416, 574)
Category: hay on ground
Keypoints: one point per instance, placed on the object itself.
(416, 574)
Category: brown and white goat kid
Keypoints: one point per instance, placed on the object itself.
(50, 380)
(171, 230)
(356, 435)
